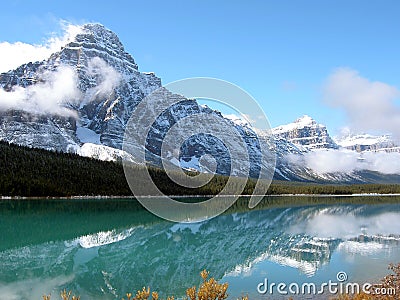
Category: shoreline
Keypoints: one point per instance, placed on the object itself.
(194, 196)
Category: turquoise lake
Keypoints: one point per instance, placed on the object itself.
(104, 248)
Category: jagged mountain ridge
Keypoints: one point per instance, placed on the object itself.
(101, 110)
(368, 142)
(105, 114)
(306, 132)
(102, 115)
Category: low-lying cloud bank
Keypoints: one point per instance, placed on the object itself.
(53, 95)
(57, 93)
(347, 161)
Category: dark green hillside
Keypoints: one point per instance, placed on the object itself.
(39, 173)
(36, 172)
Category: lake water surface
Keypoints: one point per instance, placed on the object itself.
(103, 248)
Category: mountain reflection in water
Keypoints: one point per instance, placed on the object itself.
(108, 251)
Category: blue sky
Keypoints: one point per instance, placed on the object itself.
(281, 52)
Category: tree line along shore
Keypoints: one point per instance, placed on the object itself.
(30, 172)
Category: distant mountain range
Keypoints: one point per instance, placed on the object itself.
(80, 100)
(367, 142)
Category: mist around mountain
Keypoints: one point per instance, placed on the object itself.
(356, 155)
(81, 97)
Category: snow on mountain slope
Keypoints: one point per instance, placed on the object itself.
(103, 152)
(368, 142)
(238, 120)
(307, 132)
(87, 135)
(304, 121)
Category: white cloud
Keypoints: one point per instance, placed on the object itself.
(242, 120)
(56, 90)
(331, 224)
(52, 96)
(12, 55)
(347, 161)
(331, 161)
(386, 163)
(107, 77)
(369, 105)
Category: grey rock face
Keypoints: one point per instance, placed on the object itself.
(306, 132)
(51, 133)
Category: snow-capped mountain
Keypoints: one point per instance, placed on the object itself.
(81, 98)
(102, 106)
(90, 114)
(306, 132)
(368, 142)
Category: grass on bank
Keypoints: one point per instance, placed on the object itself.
(40, 173)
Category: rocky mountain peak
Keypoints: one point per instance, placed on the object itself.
(100, 32)
(95, 40)
(305, 120)
(305, 131)
(106, 84)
